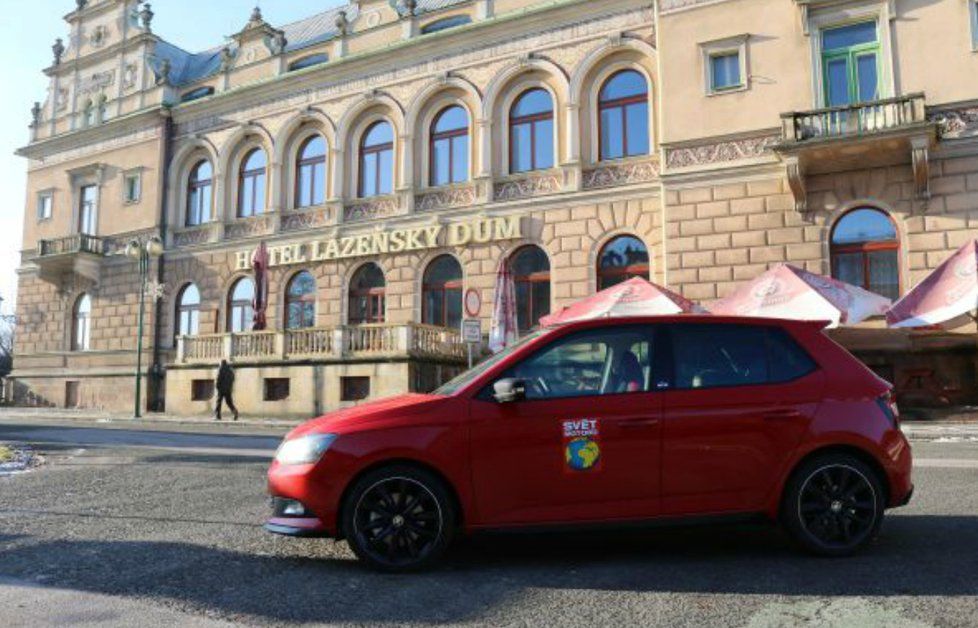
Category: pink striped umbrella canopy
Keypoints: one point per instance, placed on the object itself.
(635, 297)
(947, 296)
(503, 327)
(259, 265)
(787, 291)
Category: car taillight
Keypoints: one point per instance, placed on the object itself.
(887, 403)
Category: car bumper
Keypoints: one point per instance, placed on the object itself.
(306, 527)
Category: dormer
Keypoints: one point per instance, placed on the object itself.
(257, 41)
(373, 13)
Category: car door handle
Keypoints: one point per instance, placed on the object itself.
(637, 423)
(785, 414)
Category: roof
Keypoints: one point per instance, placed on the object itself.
(189, 67)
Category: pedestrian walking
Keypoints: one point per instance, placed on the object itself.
(225, 389)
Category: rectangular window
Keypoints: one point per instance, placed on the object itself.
(973, 7)
(202, 390)
(725, 71)
(132, 187)
(87, 209)
(277, 388)
(850, 64)
(354, 388)
(45, 206)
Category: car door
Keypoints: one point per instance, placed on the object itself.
(584, 443)
(740, 399)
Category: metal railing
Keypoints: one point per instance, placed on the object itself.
(78, 243)
(854, 120)
(387, 340)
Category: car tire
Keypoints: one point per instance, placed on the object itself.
(399, 519)
(833, 505)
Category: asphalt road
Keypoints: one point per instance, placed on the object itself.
(162, 526)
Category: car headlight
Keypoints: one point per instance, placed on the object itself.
(305, 449)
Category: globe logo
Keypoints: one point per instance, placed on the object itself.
(582, 454)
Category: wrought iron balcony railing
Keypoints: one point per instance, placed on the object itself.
(853, 121)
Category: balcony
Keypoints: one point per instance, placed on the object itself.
(333, 344)
(883, 132)
(78, 254)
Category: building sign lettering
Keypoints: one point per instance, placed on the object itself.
(392, 241)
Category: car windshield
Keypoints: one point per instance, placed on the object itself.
(453, 386)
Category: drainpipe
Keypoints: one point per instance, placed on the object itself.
(156, 369)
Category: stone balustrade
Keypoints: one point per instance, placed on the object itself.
(356, 342)
(863, 118)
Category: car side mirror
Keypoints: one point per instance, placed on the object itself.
(509, 390)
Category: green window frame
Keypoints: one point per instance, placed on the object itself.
(854, 58)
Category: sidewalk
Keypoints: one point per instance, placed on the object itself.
(95, 416)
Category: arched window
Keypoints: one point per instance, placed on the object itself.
(251, 188)
(377, 160)
(308, 62)
(310, 173)
(81, 327)
(621, 259)
(623, 107)
(197, 94)
(442, 293)
(300, 302)
(188, 311)
(865, 251)
(531, 132)
(241, 312)
(445, 24)
(200, 188)
(450, 147)
(531, 274)
(368, 290)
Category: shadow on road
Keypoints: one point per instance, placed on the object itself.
(916, 556)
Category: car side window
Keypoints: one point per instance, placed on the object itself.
(718, 356)
(593, 362)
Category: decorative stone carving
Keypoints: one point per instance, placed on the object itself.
(720, 152)
(300, 221)
(96, 82)
(796, 182)
(445, 198)
(146, 16)
(59, 50)
(370, 209)
(61, 99)
(130, 75)
(342, 23)
(99, 35)
(527, 186)
(248, 227)
(227, 59)
(621, 174)
(36, 115)
(162, 72)
(920, 154)
(956, 123)
(192, 236)
(672, 5)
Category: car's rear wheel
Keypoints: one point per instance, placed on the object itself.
(834, 505)
(399, 518)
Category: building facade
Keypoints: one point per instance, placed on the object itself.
(392, 155)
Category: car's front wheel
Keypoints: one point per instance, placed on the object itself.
(834, 504)
(399, 518)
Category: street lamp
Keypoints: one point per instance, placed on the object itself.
(142, 252)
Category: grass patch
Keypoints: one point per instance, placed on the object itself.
(6, 454)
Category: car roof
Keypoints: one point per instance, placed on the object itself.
(691, 319)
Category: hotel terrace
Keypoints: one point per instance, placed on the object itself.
(392, 154)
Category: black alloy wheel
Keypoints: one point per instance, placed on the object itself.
(399, 519)
(834, 505)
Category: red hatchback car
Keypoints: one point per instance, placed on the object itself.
(605, 422)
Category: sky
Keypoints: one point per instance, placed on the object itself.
(27, 31)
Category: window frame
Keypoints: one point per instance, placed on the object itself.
(190, 311)
(452, 136)
(301, 300)
(851, 54)
(444, 289)
(303, 164)
(538, 277)
(242, 306)
(308, 61)
(710, 50)
(628, 272)
(81, 324)
(533, 120)
(378, 150)
(132, 175)
(376, 297)
(973, 14)
(865, 248)
(195, 186)
(45, 205)
(88, 209)
(445, 23)
(253, 175)
(622, 104)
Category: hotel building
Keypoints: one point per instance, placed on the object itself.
(392, 154)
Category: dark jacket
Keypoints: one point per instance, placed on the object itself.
(225, 379)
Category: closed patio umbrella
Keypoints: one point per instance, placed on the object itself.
(948, 296)
(790, 292)
(259, 265)
(635, 297)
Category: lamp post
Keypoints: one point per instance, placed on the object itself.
(142, 252)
